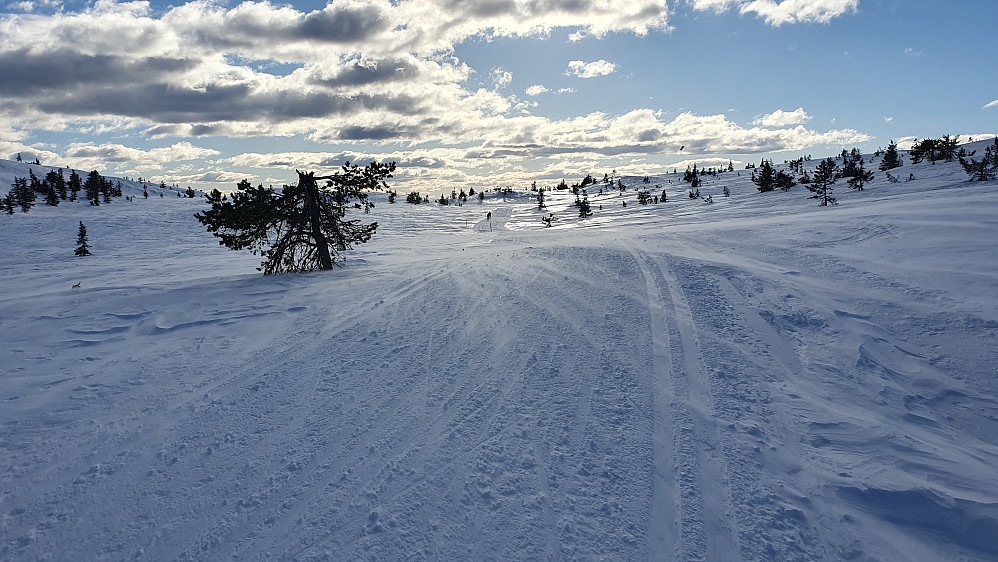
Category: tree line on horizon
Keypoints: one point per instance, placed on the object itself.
(303, 227)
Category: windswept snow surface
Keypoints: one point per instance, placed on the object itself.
(757, 378)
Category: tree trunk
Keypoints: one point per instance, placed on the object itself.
(307, 182)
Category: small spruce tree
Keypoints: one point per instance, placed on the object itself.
(861, 178)
(92, 187)
(51, 197)
(82, 247)
(821, 183)
(764, 177)
(21, 195)
(891, 158)
(987, 168)
(75, 185)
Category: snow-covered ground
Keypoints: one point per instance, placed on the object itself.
(757, 378)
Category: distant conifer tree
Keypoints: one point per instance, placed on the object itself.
(891, 158)
(75, 185)
(782, 181)
(861, 177)
(764, 177)
(924, 149)
(82, 247)
(34, 184)
(21, 195)
(51, 197)
(821, 183)
(987, 168)
(92, 187)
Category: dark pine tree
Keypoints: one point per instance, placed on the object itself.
(987, 168)
(92, 187)
(764, 177)
(75, 185)
(301, 228)
(947, 147)
(821, 183)
(21, 195)
(35, 184)
(82, 247)
(51, 197)
(57, 182)
(861, 177)
(106, 189)
(891, 158)
(924, 149)
(782, 181)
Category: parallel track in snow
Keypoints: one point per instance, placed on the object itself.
(704, 506)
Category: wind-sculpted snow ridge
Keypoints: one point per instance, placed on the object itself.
(756, 378)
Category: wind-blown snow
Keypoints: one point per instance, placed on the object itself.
(757, 378)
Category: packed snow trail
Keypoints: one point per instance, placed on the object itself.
(742, 380)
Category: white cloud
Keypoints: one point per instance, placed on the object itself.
(786, 11)
(593, 69)
(780, 118)
(91, 156)
(888, 119)
(553, 146)
(566, 90)
(716, 6)
(536, 90)
(990, 104)
(500, 77)
(356, 70)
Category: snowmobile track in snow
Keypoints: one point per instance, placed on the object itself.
(696, 462)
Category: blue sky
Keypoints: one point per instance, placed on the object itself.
(483, 93)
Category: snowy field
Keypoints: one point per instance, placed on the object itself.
(757, 378)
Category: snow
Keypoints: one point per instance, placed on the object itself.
(757, 378)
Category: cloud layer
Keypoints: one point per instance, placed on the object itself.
(367, 71)
(784, 12)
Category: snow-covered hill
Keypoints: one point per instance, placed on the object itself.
(756, 378)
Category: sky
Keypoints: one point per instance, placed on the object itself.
(482, 93)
